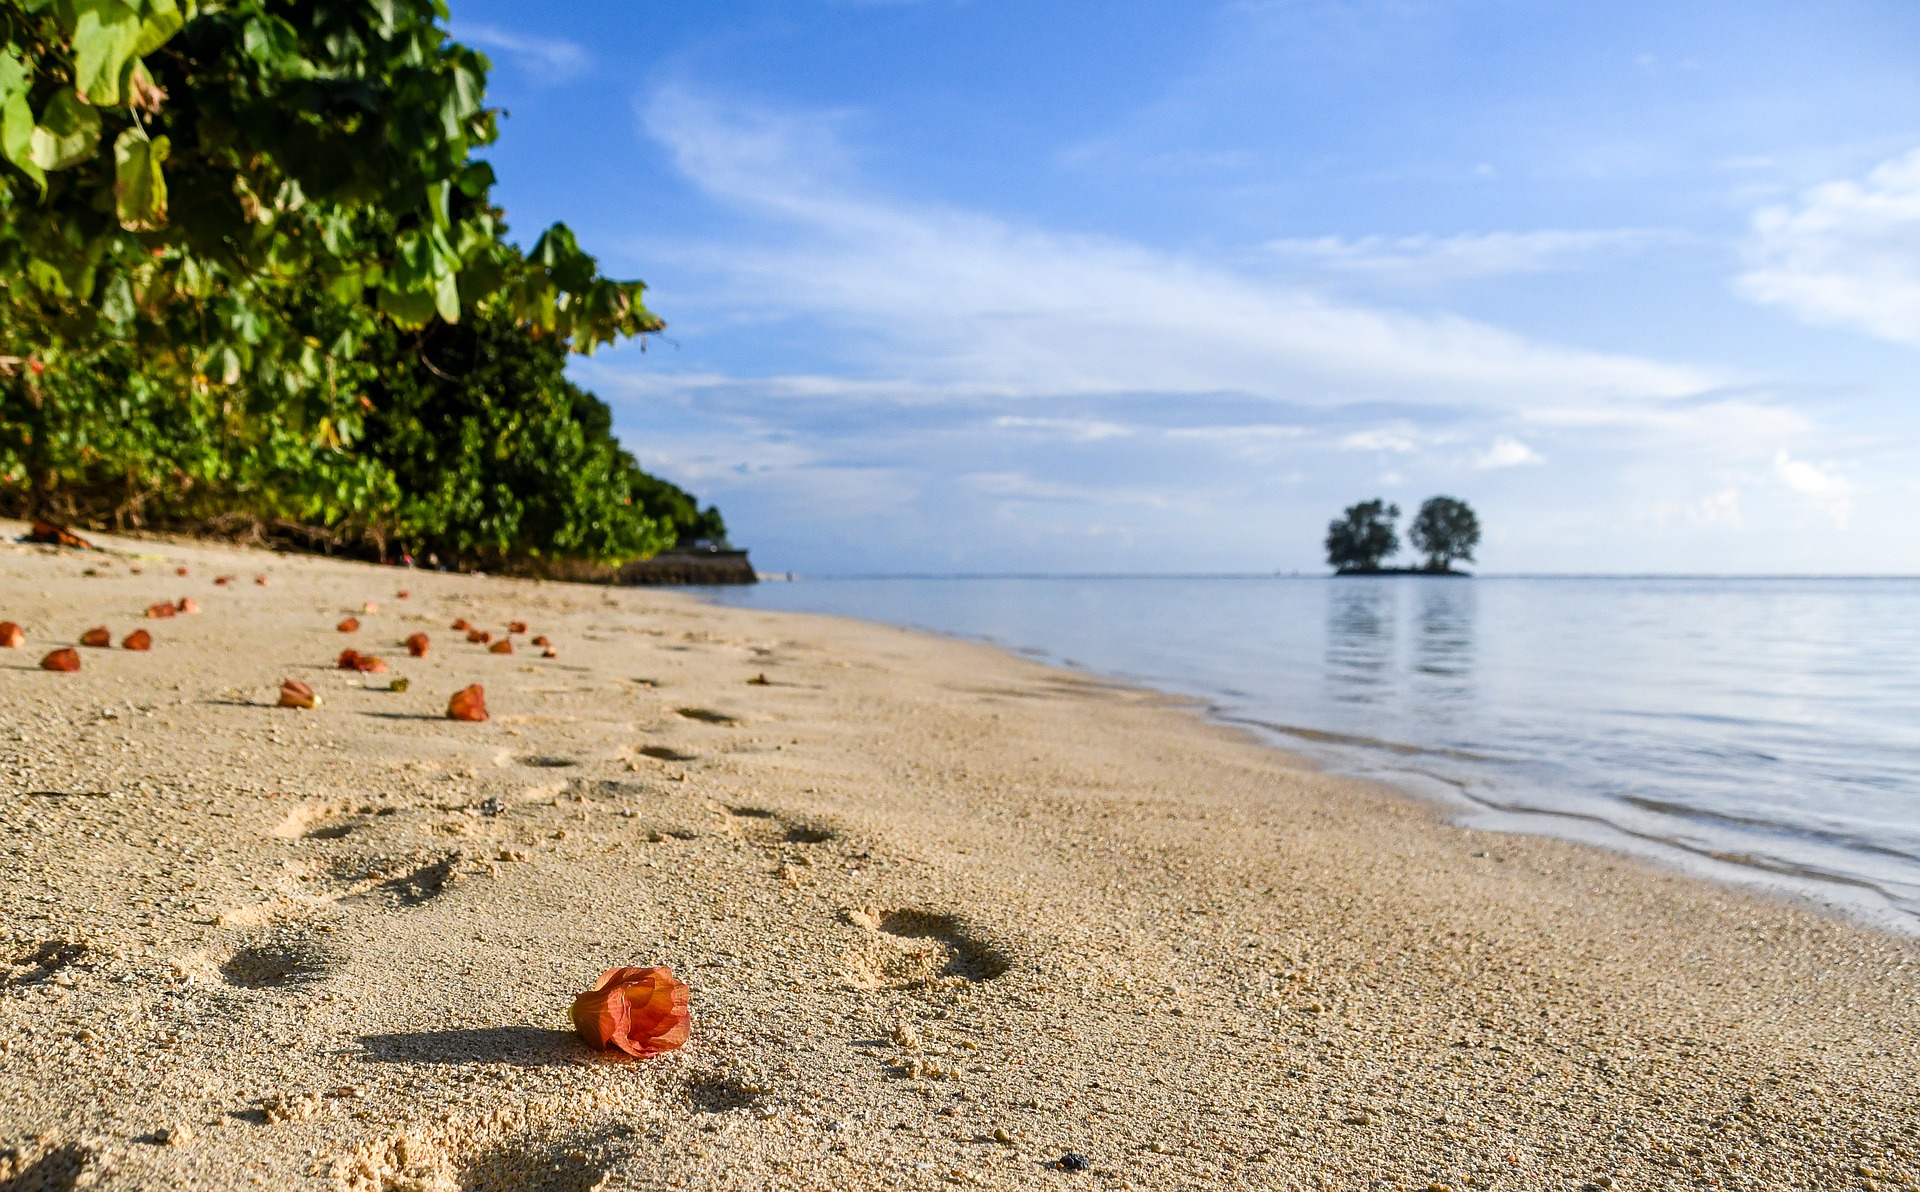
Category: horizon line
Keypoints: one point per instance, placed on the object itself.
(793, 576)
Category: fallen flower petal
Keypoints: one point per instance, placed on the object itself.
(350, 625)
(372, 606)
(479, 635)
(402, 594)
(349, 660)
(549, 652)
(98, 637)
(640, 1011)
(12, 637)
(517, 627)
(261, 580)
(139, 639)
(179, 570)
(221, 581)
(295, 694)
(460, 626)
(503, 646)
(48, 534)
(162, 609)
(468, 703)
(187, 605)
(417, 645)
(541, 641)
(64, 659)
(368, 664)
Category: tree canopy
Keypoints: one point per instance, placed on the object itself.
(1363, 536)
(230, 230)
(1446, 531)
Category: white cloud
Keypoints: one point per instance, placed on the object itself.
(1395, 439)
(951, 296)
(1507, 452)
(1846, 254)
(1827, 492)
(1720, 509)
(1428, 259)
(1080, 430)
(547, 59)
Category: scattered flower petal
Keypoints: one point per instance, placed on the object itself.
(417, 645)
(479, 635)
(350, 625)
(402, 594)
(179, 570)
(372, 606)
(48, 534)
(295, 694)
(541, 641)
(349, 660)
(517, 627)
(12, 637)
(64, 659)
(139, 639)
(261, 580)
(221, 581)
(369, 665)
(640, 1011)
(187, 605)
(468, 703)
(460, 626)
(549, 652)
(503, 646)
(162, 609)
(98, 637)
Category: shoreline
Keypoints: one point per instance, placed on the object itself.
(949, 915)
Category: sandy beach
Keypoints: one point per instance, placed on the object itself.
(950, 918)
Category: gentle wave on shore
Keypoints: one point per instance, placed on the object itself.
(1770, 723)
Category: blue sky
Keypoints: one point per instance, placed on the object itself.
(1107, 285)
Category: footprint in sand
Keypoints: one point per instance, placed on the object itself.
(290, 955)
(913, 949)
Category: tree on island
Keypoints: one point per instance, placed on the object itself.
(1445, 529)
(1362, 537)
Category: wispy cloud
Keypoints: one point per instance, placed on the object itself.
(1824, 490)
(1845, 254)
(1507, 452)
(545, 59)
(1436, 260)
(949, 295)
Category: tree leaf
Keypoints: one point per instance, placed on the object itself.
(68, 133)
(139, 186)
(160, 20)
(16, 138)
(105, 36)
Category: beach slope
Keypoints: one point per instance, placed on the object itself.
(950, 918)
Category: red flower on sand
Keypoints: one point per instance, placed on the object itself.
(641, 1011)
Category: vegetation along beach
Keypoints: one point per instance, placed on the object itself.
(374, 817)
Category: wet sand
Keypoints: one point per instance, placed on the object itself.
(949, 917)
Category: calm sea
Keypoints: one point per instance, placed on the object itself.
(1759, 729)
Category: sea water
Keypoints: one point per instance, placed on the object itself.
(1758, 728)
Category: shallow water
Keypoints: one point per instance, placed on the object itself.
(1769, 723)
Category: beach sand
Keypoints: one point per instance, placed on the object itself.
(948, 916)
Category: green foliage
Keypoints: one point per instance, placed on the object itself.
(221, 221)
(486, 480)
(1361, 537)
(1445, 530)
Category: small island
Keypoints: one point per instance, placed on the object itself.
(1445, 530)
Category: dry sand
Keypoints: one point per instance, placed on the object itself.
(948, 915)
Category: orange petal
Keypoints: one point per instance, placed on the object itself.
(402, 594)
(99, 636)
(417, 645)
(468, 703)
(599, 1017)
(549, 652)
(12, 637)
(517, 627)
(541, 641)
(221, 581)
(640, 1011)
(368, 664)
(350, 625)
(188, 605)
(460, 625)
(372, 606)
(139, 639)
(295, 694)
(64, 659)
(479, 635)
(179, 570)
(162, 609)
(261, 580)
(349, 660)
(503, 646)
